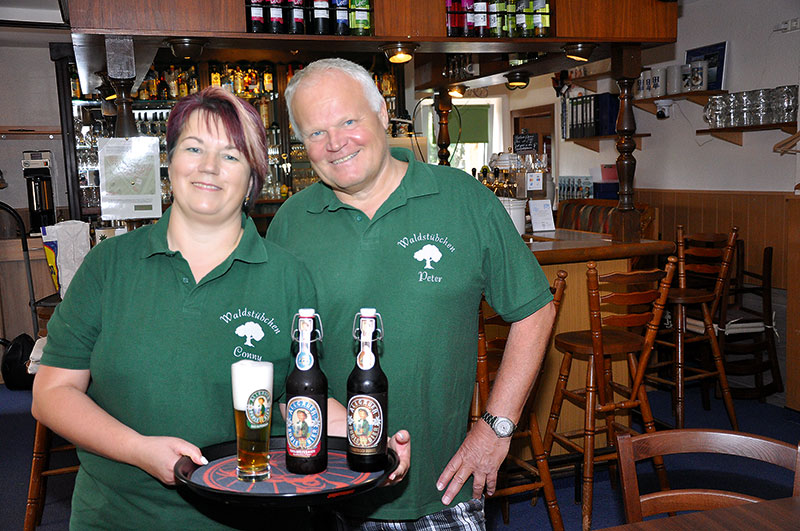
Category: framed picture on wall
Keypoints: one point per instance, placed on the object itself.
(715, 55)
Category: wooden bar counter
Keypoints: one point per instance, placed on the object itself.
(570, 250)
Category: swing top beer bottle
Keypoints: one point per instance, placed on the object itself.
(367, 391)
(306, 401)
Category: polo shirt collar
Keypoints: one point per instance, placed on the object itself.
(251, 247)
(418, 181)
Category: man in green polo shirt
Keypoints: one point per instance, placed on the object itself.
(422, 244)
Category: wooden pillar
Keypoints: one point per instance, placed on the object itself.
(443, 104)
(626, 65)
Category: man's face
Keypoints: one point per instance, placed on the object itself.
(344, 137)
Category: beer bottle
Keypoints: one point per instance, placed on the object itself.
(306, 401)
(367, 391)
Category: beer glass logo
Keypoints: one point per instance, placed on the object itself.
(364, 422)
(303, 427)
(258, 409)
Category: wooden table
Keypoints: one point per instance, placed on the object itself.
(763, 516)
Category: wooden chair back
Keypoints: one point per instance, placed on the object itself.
(706, 256)
(482, 383)
(683, 441)
(615, 300)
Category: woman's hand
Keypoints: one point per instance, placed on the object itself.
(401, 444)
(157, 456)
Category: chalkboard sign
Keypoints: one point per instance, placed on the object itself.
(526, 142)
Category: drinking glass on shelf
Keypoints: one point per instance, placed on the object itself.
(714, 110)
(783, 103)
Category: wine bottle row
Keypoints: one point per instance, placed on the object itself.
(498, 18)
(310, 17)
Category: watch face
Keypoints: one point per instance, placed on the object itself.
(503, 427)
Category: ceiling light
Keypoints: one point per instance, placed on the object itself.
(457, 91)
(399, 52)
(185, 48)
(517, 80)
(579, 51)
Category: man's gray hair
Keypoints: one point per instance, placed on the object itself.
(355, 71)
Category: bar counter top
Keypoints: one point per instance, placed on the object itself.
(563, 246)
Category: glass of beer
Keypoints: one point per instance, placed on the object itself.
(252, 408)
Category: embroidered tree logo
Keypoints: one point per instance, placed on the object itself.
(250, 330)
(429, 253)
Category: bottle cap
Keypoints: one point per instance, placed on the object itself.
(306, 312)
(368, 312)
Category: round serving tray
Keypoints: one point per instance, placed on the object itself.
(217, 480)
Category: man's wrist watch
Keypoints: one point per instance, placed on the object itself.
(502, 426)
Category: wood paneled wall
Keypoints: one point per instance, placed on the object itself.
(760, 216)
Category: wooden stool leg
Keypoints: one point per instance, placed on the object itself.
(772, 355)
(37, 484)
(558, 399)
(723, 379)
(680, 333)
(544, 474)
(588, 448)
(606, 397)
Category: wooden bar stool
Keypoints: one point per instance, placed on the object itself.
(607, 337)
(695, 255)
(40, 471)
(533, 476)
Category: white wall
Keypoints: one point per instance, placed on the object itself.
(674, 157)
(28, 86)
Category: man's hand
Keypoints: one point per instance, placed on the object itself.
(480, 456)
(401, 444)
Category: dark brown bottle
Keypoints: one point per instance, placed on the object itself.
(273, 16)
(294, 17)
(320, 17)
(255, 17)
(367, 396)
(306, 401)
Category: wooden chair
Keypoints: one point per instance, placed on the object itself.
(609, 336)
(683, 441)
(40, 471)
(536, 476)
(749, 331)
(697, 255)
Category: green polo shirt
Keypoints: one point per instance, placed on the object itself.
(159, 347)
(438, 243)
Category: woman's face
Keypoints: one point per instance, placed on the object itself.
(210, 177)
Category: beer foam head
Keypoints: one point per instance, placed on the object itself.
(248, 376)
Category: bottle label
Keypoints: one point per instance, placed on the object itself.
(276, 14)
(258, 408)
(481, 18)
(303, 427)
(364, 424)
(257, 14)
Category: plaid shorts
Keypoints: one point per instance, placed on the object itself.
(465, 516)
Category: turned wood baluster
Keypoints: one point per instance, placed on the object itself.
(443, 104)
(626, 64)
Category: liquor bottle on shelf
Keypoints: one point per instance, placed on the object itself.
(360, 17)
(367, 398)
(163, 88)
(341, 17)
(306, 400)
(294, 17)
(525, 9)
(276, 20)
(215, 74)
(320, 17)
(183, 83)
(468, 29)
(75, 84)
(226, 79)
(510, 25)
(255, 17)
(238, 80)
(267, 70)
(455, 14)
(192, 80)
(541, 18)
(172, 82)
(481, 19)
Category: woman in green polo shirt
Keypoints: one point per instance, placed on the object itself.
(136, 371)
